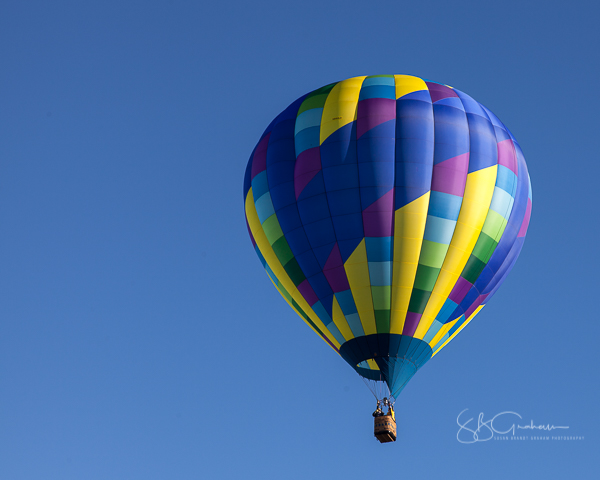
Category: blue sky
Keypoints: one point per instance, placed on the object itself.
(139, 335)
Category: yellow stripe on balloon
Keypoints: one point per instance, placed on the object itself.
(409, 226)
(340, 321)
(459, 329)
(271, 258)
(442, 331)
(477, 198)
(357, 271)
(406, 84)
(340, 106)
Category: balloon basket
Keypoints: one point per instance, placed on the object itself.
(385, 429)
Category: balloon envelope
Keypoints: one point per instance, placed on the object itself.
(387, 210)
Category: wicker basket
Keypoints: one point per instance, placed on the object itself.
(385, 429)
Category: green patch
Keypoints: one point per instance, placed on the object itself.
(285, 293)
(294, 271)
(472, 269)
(433, 254)
(282, 250)
(272, 229)
(382, 297)
(382, 321)
(315, 99)
(494, 225)
(484, 247)
(418, 301)
(426, 277)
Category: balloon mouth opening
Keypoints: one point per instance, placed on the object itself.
(369, 370)
(391, 359)
(394, 371)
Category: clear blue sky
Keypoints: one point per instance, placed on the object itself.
(139, 335)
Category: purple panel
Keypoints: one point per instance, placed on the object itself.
(438, 91)
(525, 224)
(476, 303)
(337, 279)
(302, 181)
(450, 175)
(411, 323)
(308, 293)
(460, 290)
(334, 260)
(507, 156)
(378, 217)
(259, 160)
(308, 161)
(334, 271)
(373, 112)
(308, 164)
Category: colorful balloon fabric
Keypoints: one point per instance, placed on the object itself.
(387, 210)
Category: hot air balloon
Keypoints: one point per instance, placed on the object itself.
(387, 210)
